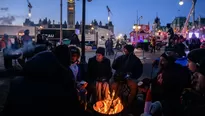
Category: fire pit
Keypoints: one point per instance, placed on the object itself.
(109, 106)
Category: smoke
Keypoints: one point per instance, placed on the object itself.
(7, 20)
(4, 9)
(17, 53)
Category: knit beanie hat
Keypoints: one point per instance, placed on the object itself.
(196, 55)
(100, 50)
(129, 48)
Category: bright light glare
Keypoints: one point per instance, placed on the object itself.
(29, 14)
(134, 27)
(181, 2)
(196, 34)
(108, 18)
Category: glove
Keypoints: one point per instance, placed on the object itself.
(155, 107)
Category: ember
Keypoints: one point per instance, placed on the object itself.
(109, 106)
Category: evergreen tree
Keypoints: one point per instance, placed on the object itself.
(65, 23)
(77, 23)
(92, 23)
(40, 22)
(95, 22)
(100, 23)
(49, 21)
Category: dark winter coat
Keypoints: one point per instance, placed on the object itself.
(46, 88)
(128, 64)
(174, 79)
(98, 69)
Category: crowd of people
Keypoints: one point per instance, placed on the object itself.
(49, 82)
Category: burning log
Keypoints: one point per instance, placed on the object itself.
(109, 106)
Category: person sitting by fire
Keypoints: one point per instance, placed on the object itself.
(163, 91)
(75, 55)
(99, 70)
(193, 99)
(128, 69)
(6, 50)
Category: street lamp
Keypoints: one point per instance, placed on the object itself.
(61, 18)
(181, 2)
(83, 61)
(134, 27)
(138, 20)
(83, 58)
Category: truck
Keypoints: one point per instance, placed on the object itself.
(53, 34)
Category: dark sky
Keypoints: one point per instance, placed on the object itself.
(124, 11)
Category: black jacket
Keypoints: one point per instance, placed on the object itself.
(46, 88)
(128, 64)
(98, 69)
(175, 79)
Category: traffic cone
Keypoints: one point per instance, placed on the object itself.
(148, 102)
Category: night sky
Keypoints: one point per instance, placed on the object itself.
(124, 11)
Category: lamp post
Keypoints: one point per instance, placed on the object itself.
(83, 61)
(83, 58)
(61, 18)
(138, 20)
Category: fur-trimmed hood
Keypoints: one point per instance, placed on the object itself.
(78, 48)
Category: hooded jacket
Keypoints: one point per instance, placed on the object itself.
(46, 88)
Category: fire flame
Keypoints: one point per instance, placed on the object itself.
(109, 105)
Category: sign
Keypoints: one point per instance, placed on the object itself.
(88, 37)
(49, 35)
(55, 33)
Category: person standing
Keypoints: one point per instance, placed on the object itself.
(6, 51)
(153, 44)
(27, 44)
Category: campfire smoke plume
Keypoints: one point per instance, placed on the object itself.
(7, 20)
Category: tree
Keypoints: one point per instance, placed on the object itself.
(92, 22)
(100, 23)
(49, 21)
(45, 21)
(95, 22)
(77, 23)
(65, 23)
(40, 22)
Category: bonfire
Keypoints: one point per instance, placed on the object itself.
(109, 105)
